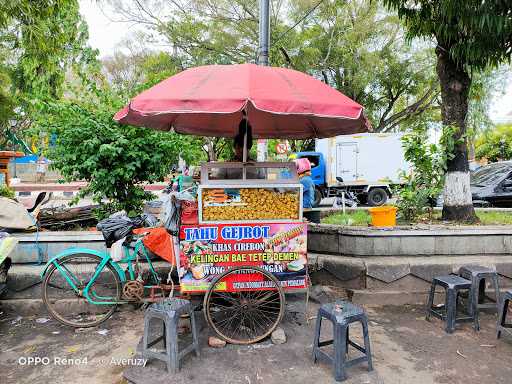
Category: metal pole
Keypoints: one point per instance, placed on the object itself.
(263, 48)
(264, 43)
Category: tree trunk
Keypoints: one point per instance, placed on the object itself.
(210, 149)
(455, 84)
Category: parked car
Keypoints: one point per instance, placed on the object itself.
(491, 185)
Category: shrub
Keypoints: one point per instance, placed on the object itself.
(115, 160)
(495, 144)
(5, 191)
(428, 165)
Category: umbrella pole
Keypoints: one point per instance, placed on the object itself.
(244, 156)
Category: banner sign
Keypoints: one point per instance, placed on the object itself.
(206, 251)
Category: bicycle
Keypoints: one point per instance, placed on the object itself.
(82, 287)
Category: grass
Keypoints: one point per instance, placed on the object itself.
(488, 217)
(357, 218)
(362, 218)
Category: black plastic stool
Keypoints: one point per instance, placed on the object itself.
(169, 313)
(502, 314)
(342, 314)
(478, 276)
(453, 285)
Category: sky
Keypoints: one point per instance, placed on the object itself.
(105, 34)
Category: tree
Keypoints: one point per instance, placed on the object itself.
(39, 42)
(352, 45)
(358, 48)
(115, 160)
(470, 35)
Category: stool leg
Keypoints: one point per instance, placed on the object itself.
(367, 347)
(451, 309)
(481, 290)
(475, 299)
(471, 296)
(318, 327)
(340, 352)
(347, 339)
(502, 315)
(171, 345)
(430, 302)
(194, 332)
(145, 338)
(496, 291)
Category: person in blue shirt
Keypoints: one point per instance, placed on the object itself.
(308, 188)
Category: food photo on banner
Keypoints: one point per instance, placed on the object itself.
(206, 251)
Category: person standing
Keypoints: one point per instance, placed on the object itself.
(41, 167)
(308, 189)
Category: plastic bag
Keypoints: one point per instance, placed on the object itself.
(158, 241)
(119, 226)
(7, 245)
(172, 215)
(116, 251)
(115, 228)
(189, 212)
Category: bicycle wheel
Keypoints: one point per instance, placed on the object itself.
(251, 312)
(70, 307)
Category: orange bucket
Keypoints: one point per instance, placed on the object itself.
(384, 216)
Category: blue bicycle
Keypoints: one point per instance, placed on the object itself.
(82, 287)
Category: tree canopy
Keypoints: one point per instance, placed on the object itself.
(470, 36)
(39, 42)
(476, 33)
(354, 46)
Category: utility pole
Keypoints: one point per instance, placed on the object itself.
(263, 48)
(264, 43)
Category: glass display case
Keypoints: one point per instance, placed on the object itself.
(269, 192)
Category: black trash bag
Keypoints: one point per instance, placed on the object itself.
(119, 225)
(115, 228)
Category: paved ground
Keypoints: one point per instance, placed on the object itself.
(406, 349)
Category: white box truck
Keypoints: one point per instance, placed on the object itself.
(367, 164)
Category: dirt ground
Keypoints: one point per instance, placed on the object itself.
(406, 350)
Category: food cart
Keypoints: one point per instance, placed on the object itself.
(248, 248)
(249, 243)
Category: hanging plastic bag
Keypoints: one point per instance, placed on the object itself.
(158, 241)
(115, 228)
(172, 215)
(116, 251)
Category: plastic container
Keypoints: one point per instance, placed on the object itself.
(384, 216)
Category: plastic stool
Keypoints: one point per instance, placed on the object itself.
(342, 314)
(452, 284)
(169, 313)
(478, 275)
(502, 314)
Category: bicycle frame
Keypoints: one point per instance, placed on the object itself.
(105, 257)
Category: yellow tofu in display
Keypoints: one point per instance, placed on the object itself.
(255, 204)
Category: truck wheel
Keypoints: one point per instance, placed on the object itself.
(318, 198)
(377, 197)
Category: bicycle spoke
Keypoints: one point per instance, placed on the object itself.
(244, 316)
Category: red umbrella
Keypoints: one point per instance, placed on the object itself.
(279, 103)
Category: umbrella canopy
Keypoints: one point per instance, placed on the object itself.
(278, 102)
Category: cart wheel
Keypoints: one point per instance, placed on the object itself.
(246, 315)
